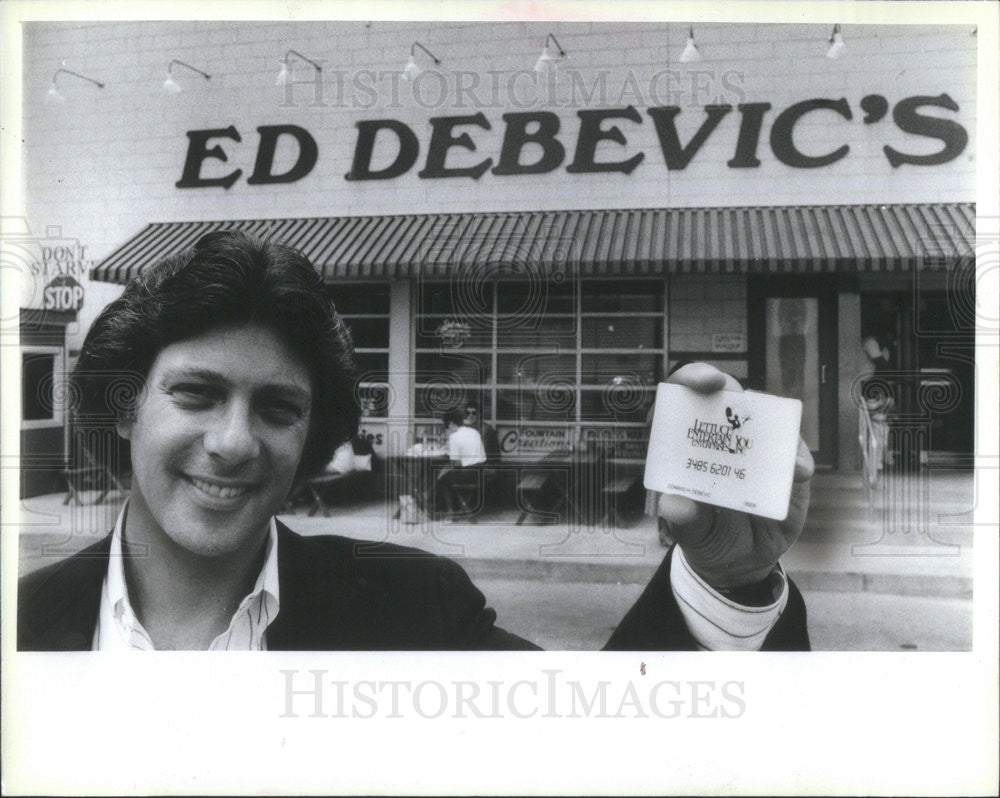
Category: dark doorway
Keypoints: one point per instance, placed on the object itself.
(792, 349)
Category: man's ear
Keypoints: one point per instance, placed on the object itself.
(124, 426)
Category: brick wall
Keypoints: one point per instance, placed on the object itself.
(105, 162)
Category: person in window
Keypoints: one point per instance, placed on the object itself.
(466, 455)
(877, 392)
(465, 444)
(491, 440)
(230, 375)
(350, 475)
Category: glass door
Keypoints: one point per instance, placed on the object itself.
(793, 346)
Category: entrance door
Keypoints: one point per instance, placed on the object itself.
(792, 338)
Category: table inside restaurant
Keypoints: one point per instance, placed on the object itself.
(583, 486)
(413, 476)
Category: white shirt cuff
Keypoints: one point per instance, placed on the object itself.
(716, 622)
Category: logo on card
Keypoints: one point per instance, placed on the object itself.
(729, 435)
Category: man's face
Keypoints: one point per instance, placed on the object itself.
(216, 440)
(471, 417)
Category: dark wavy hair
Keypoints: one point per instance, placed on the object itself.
(226, 278)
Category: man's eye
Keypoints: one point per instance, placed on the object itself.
(281, 414)
(194, 395)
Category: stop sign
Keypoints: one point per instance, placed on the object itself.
(63, 293)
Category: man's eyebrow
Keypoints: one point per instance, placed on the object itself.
(193, 373)
(288, 389)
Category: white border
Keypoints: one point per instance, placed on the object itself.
(814, 724)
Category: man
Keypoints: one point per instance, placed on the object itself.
(491, 440)
(465, 445)
(244, 387)
(466, 454)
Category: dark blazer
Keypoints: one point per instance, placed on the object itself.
(343, 594)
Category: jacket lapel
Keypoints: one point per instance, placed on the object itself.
(319, 597)
(58, 606)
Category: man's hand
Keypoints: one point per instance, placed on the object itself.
(725, 547)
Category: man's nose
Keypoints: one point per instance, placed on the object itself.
(231, 436)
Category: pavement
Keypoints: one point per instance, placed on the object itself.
(914, 539)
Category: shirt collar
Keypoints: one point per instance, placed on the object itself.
(267, 579)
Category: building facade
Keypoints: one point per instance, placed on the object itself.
(546, 237)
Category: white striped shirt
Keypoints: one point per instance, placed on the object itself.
(716, 622)
(118, 628)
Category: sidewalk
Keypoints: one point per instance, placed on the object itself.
(919, 543)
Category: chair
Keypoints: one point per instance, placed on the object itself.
(465, 487)
(331, 486)
(90, 475)
(544, 490)
(320, 488)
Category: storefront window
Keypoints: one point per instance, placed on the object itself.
(919, 343)
(547, 332)
(39, 372)
(365, 309)
(455, 338)
(584, 356)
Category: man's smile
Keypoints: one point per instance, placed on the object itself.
(217, 439)
(224, 489)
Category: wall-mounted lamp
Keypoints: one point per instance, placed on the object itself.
(286, 70)
(836, 42)
(170, 86)
(411, 70)
(691, 51)
(53, 95)
(545, 60)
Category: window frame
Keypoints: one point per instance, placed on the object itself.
(580, 423)
(58, 386)
(347, 317)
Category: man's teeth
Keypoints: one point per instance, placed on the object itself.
(218, 490)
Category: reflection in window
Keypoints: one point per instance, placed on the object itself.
(37, 376)
(364, 308)
(622, 332)
(586, 354)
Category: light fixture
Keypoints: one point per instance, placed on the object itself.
(545, 60)
(284, 74)
(171, 86)
(411, 70)
(691, 51)
(53, 95)
(836, 43)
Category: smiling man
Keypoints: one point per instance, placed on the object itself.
(245, 386)
(216, 442)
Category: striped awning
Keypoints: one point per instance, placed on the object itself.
(794, 239)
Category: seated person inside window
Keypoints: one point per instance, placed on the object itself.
(466, 455)
(355, 455)
(242, 386)
(349, 477)
(465, 445)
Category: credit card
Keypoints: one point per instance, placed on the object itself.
(733, 449)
